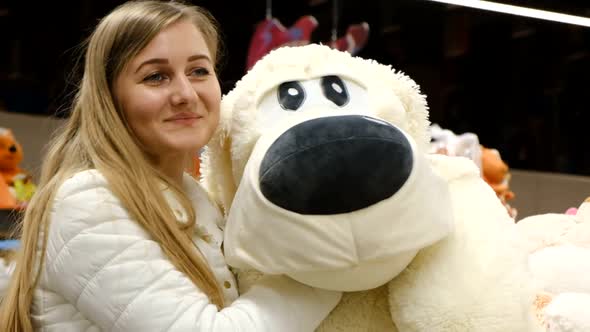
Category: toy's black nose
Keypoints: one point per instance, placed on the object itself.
(335, 165)
(12, 148)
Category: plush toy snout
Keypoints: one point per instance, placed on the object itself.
(335, 164)
(301, 177)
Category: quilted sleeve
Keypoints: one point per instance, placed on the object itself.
(6, 269)
(105, 265)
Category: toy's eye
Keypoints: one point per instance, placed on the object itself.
(291, 95)
(335, 90)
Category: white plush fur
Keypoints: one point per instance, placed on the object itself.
(474, 280)
(559, 259)
(568, 312)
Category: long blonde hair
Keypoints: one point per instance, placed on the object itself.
(97, 136)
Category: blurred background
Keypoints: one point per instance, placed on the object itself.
(518, 83)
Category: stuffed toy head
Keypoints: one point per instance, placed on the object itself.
(320, 157)
(11, 153)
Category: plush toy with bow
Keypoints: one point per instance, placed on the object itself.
(321, 164)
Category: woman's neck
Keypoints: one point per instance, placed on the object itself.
(173, 166)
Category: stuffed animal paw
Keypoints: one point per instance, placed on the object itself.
(559, 258)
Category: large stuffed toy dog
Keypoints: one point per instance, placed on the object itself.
(321, 165)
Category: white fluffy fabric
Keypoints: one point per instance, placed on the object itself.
(474, 280)
(553, 229)
(559, 246)
(545, 230)
(560, 269)
(568, 312)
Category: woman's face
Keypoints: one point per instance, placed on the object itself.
(169, 92)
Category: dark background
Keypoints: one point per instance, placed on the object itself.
(520, 84)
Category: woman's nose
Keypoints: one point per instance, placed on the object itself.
(183, 91)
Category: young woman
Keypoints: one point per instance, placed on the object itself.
(118, 238)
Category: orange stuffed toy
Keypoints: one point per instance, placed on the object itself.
(7, 200)
(11, 154)
(496, 173)
(18, 182)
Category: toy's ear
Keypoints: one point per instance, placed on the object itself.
(417, 112)
(216, 164)
(6, 132)
(414, 103)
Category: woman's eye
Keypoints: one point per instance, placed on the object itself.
(291, 95)
(154, 78)
(200, 72)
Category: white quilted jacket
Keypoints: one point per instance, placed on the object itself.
(103, 273)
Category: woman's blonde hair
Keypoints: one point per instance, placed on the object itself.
(97, 136)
